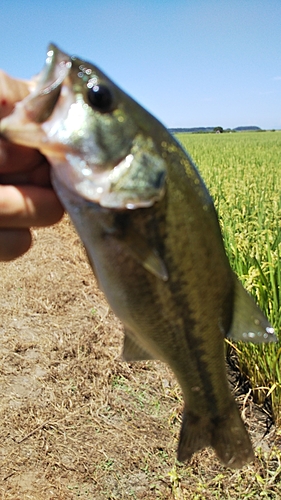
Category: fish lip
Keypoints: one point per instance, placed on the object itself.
(42, 100)
(57, 66)
(36, 108)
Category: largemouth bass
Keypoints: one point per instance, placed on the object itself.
(152, 237)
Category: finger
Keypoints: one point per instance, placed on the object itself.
(14, 158)
(26, 206)
(13, 243)
(11, 91)
(40, 176)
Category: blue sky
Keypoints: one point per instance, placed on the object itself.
(189, 62)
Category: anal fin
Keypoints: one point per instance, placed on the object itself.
(132, 351)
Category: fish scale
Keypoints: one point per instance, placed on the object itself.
(152, 236)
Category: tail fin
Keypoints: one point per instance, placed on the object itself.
(195, 434)
(227, 435)
(231, 441)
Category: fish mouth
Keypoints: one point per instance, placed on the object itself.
(48, 83)
(23, 125)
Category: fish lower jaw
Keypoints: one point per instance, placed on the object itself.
(98, 184)
(26, 135)
(101, 194)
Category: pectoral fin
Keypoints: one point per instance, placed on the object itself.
(249, 323)
(132, 351)
(148, 257)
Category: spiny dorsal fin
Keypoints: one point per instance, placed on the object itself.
(249, 323)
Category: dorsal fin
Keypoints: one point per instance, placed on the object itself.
(249, 324)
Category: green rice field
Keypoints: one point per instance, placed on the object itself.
(242, 172)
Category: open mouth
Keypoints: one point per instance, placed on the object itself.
(40, 104)
(23, 126)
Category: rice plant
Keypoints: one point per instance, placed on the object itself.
(242, 172)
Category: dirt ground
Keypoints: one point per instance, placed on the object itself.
(76, 421)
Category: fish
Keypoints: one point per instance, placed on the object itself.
(153, 239)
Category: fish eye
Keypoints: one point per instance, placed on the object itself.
(100, 98)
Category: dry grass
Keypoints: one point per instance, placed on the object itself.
(76, 422)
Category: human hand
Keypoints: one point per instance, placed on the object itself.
(26, 195)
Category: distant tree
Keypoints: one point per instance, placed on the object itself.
(218, 130)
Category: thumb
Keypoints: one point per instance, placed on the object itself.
(12, 90)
